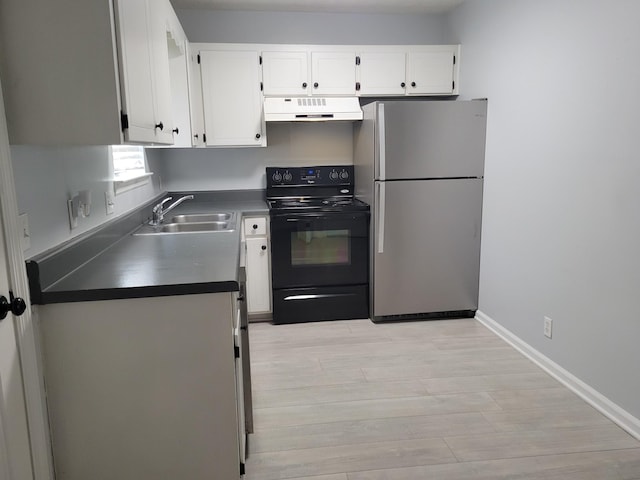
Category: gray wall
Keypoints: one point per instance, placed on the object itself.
(310, 28)
(244, 168)
(47, 177)
(561, 225)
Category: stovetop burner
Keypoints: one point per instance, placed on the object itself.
(312, 189)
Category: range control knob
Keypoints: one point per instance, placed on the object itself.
(287, 176)
(344, 175)
(277, 177)
(333, 175)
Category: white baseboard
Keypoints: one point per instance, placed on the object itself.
(594, 398)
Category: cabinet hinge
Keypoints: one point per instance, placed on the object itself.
(242, 472)
(236, 351)
(454, 59)
(358, 60)
(124, 120)
(453, 85)
(260, 59)
(204, 138)
(357, 86)
(261, 86)
(198, 59)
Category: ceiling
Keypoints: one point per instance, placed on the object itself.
(325, 6)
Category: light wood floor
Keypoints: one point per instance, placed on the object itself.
(443, 400)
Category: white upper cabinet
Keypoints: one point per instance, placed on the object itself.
(285, 73)
(382, 73)
(303, 73)
(232, 98)
(195, 98)
(91, 73)
(144, 71)
(432, 72)
(415, 70)
(333, 73)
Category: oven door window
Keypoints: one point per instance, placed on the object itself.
(319, 250)
(320, 247)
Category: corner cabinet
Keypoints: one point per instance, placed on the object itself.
(231, 97)
(91, 73)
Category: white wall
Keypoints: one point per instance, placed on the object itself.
(561, 234)
(244, 168)
(310, 28)
(46, 177)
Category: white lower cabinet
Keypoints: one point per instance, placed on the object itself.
(145, 388)
(258, 265)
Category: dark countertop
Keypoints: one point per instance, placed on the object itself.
(112, 263)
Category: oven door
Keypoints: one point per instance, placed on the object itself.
(316, 249)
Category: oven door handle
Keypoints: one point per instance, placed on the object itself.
(381, 207)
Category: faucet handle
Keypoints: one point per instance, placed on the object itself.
(158, 207)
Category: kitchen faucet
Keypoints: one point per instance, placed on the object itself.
(159, 211)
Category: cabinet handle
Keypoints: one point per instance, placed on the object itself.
(315, 85)
(196, 136)
(160, 126)
(413, 84)
(257, 136)
(176, 131)
(264, 247)
(255, 227)
(403, 84)
(304, 85)
(17, 306)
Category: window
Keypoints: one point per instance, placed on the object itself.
(129, 167)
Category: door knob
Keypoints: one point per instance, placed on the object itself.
(17, 306)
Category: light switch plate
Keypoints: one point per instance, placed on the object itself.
(26, 233)
(109, 202)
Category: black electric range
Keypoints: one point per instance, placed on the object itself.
(319, 244)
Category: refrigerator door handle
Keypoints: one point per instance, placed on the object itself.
(381, 204)
(382, 153)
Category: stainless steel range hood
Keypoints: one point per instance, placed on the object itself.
(311, 109)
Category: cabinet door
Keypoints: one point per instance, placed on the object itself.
(232, 98)
(161, 78)
(285, 73)
(333, 73)
(178, 69)
(382, 73)
(136, 71)
(258, 275)
(430, 73)
(195, 99)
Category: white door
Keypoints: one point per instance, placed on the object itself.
(430, 73)
(382, 73)
(285, 73)
(14, 436)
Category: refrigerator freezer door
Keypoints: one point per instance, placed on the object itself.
(431, 139)
(430, 258)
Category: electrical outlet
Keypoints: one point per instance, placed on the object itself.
(26, 233)
(109, 202)
(548, 326)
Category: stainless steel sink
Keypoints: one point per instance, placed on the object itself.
(202, 217)
(193, 227)
(178, 228)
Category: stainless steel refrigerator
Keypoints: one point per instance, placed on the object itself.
(420, 165)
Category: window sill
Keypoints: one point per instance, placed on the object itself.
(122, 185)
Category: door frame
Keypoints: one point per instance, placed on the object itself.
(27, 337)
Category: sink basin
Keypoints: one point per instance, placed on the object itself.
(201, 217)
(193, 227)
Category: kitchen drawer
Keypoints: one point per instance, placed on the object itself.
(255, 226)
